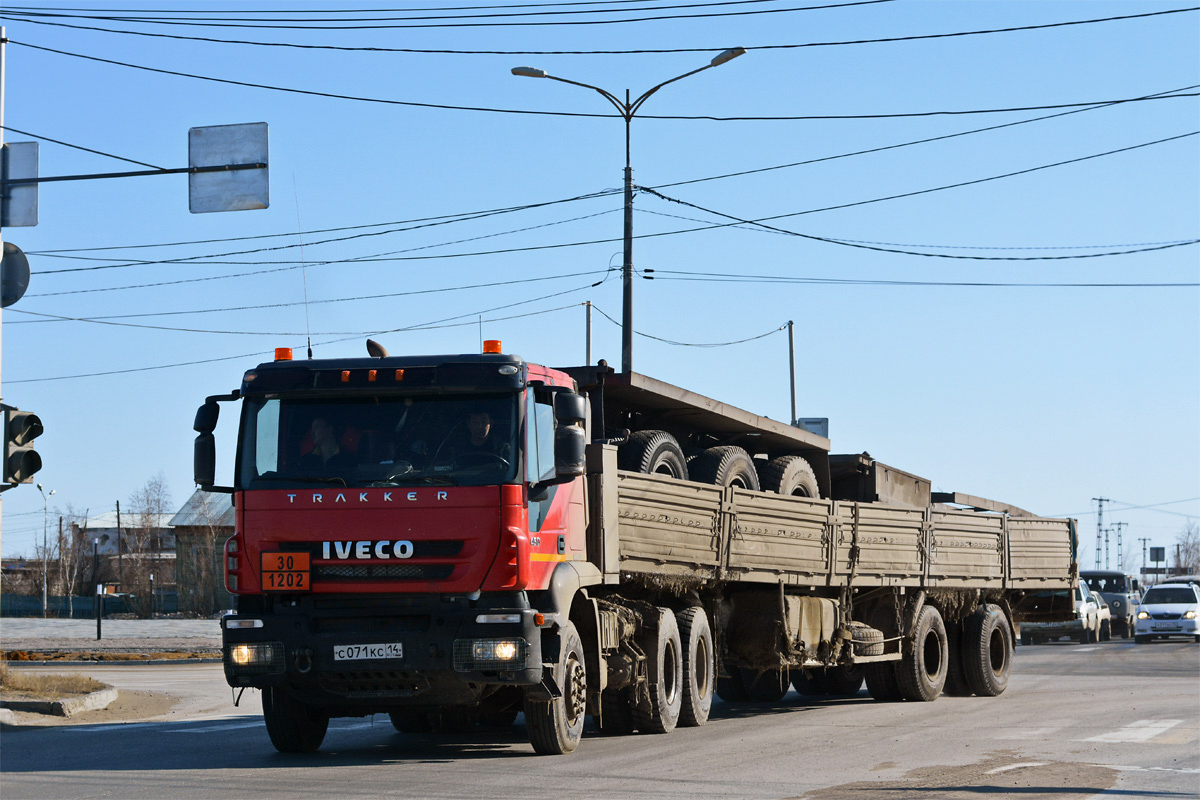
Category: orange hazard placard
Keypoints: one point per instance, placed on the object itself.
(285, 572)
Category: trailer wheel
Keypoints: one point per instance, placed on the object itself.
(844, 680)
(768, 686)
(790, 475)
(921, 674)
(956, 676)
(987, 651)
(699, 666)
(808, 685)
(294, 727)
(616, 713)
(555, 727)
(410, 721)
(881, 681)
(653, 453)
(665, 654)
(726, 466)
(731, 688)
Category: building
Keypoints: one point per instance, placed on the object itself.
(201, 528)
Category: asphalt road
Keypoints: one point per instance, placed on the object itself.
(1106, 720)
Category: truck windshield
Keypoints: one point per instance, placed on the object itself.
(379, 441)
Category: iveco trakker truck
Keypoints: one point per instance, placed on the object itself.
(611, 546)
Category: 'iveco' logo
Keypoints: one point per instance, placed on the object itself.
(365, 550)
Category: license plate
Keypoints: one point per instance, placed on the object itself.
(285, 572)
(1166, 626)
(359, 652)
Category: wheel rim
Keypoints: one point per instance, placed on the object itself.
(702, 664)
(670, 667)
(997, 651)
(575, 699)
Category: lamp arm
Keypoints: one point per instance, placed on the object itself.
(633, 108)
(606, 95)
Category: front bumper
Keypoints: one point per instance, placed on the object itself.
(1174, 627)
(1066, 628)
(437, 650)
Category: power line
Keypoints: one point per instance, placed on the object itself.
(692, 344)
(490, 24)
(108, 319)
(725, 277)
(887, 40)
(80, 147)
(434, 325)
(592, 115)
(863, 246)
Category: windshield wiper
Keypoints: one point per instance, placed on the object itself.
(311, 478)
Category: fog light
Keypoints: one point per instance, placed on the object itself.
(256, 657)
(488, 654)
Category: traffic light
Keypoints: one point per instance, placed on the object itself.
(21, 461)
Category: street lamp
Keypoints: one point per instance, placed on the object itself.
(45, 547)
(627, 110)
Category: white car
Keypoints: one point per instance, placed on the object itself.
(1169, 610)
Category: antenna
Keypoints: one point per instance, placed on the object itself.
(303, 268)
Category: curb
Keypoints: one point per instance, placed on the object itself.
(64, 708)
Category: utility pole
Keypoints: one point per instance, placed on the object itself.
(1120, 526)
(1143, 541)
(792, 365)
(1099, 525)
(587, 358)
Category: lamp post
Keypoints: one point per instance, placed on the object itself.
(45, 548)
(627, 110)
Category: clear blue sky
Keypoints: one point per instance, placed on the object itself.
(1041, 396)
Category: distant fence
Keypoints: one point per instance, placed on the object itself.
(58, 607)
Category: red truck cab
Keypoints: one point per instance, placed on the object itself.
(400, 523)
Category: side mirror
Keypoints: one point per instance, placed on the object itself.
(570, 435)
(206, 417)
(204, 460)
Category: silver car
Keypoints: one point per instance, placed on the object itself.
(1169, 610)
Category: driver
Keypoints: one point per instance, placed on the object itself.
(479, 435)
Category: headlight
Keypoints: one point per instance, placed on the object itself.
(255, 657)
(1189, 615)
(489, 654)
(1143, 615)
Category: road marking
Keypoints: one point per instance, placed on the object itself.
(998, 770)
(1123, 768)
(1085, 649)
(1029, 733)
(1141, 731)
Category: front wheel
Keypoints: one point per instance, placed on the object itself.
(294, 726)
(556, 726)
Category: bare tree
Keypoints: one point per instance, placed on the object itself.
(72, 553)
(1187, 549)
(148, 506)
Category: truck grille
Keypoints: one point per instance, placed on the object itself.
(384, 572)
(374, 683)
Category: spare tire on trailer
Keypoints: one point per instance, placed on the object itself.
(725, 466)
(788, 475)
(653, 453)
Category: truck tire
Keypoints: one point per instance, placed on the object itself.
(881, 681)
(616, 713)
(699, 666)
(921, 674)
(956, 677)
(410, 721)
(987, 652)
(294, 726)
(665, 656)
(653, 453)
(808, 685)
(788, 475)
(731, 688)
(768, 686)
(844, 680)
(725, 466)
(867, 641)
(556, 726)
